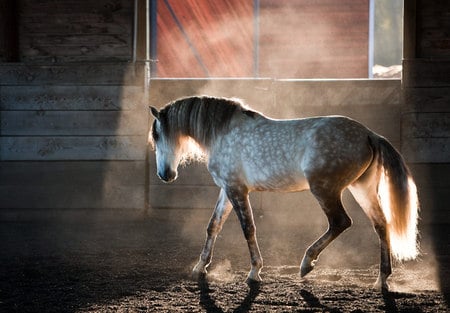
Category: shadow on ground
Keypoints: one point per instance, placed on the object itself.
(65, 264)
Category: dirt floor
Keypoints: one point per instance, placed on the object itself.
(86, 262)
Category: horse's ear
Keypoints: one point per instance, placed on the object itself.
(154, 112)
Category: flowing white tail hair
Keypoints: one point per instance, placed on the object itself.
(398, 199)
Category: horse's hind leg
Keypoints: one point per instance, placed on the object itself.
(385, 257)
(338, 221)
(366, 196)
(220, 215)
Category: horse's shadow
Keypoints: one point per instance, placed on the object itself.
(389, 301)
(314, 302)
(389, 298)
(210, 305)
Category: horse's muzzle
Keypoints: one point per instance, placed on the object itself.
(167, 175)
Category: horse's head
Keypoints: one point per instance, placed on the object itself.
(167, 147)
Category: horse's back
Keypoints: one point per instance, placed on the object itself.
(267, 154)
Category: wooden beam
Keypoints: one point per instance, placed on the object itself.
(71, 97)
(73, 123)
(72, 185)
(9, 39)
(76, 148)
(141, 30)
(71, 74)
(409, 29)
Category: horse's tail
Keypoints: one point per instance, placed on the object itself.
(397, 196)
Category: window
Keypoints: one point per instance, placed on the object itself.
(274, 38)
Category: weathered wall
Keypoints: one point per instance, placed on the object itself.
(74, 31)
(426, 98)
(426, 117)
(72, 136)
(72, 126)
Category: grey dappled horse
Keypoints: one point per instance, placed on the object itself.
(246, 151)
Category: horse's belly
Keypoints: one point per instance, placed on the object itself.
(266, 181)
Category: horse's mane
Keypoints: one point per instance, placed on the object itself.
(202, 118)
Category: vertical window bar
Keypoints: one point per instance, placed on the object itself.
(256, 38)
(371, 36)
(153, 38)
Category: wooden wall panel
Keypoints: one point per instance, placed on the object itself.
(73, 115)
(432, 25)
(73, 31)
(426, 150)
(426, 84)
(426, 99)
(73, 123)
(67, 185)
(70, 98)
(9, 37)
(72, 112)
(70, 74)
(425, 127)
(73, 148)
(433, 188)
(427, 124)
(426, 73)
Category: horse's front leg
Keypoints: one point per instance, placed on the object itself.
(241, 205)
(220, 215)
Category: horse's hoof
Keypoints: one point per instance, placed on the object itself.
(253, 284)
(253, 281)
(382, 286)
(253, 275)
(307, 265)
(305, 269)
(198, 275)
